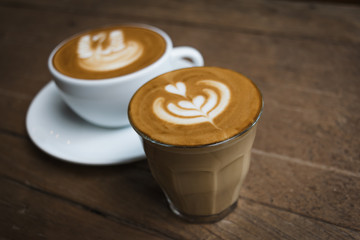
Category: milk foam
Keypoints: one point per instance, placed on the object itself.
(93, 56)
(211, 101)
(195, 106)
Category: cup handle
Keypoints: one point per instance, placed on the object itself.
(192, 55)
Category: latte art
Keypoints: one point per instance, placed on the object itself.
(195, 106)
(202, 108)
(109, 52)
(93, 56)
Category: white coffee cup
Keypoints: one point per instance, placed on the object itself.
(104, 102)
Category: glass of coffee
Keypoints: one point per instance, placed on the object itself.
(98, 71)
(198, 126)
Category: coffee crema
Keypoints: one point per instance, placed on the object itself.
(195, 106)
(109, 52)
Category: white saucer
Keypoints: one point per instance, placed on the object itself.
(58, 131)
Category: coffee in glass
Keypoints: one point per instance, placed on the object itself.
(198, 126)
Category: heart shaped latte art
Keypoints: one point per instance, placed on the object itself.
(204, 107)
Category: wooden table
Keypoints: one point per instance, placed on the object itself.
(304, 179)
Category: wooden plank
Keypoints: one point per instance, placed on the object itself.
(279, 191)
(29, 23)
(29, 214)
(304, 63)
(320, 193)
(311, 98)
(16, 106)
(327, 186)
(269, 223)
(36, 214)
(294, 62)
(305, 169)
(332, 23)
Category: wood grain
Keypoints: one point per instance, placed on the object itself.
(304, 177)
(120, 192)
(312, 20)
(301, 107)
(28, 213)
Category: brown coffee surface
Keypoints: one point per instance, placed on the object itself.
(109, 52)
(195, 106)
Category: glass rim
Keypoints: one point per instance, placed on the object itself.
(240, 134)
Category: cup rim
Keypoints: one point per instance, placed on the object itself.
(240, 134)
(127, 77)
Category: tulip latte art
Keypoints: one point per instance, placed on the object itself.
(201, 108)
(109, 52)
(195, 106)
